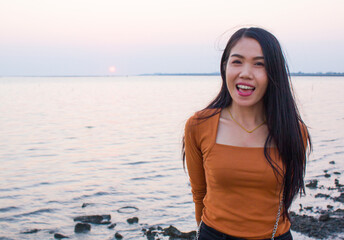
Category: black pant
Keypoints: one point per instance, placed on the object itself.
(209, 233)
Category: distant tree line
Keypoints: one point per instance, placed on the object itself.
(318, 74)
(217, 74)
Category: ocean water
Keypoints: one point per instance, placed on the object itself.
(115, 142)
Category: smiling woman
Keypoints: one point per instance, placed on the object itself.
(245, 152)
(245, 74)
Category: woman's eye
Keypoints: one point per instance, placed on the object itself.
(259, 64)
(236, 62)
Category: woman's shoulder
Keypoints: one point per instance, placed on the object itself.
(203, 115)
(203, 120)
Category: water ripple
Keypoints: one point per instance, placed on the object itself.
(37, 212)
(92, 195)
(7, 209)
(127, 209)
(329, 140)
(5, 238)
(138, 178)
(136, 163)
(43, 155)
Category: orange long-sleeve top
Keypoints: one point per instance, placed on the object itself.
(234, 189)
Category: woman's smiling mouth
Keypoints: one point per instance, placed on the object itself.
(244, 90)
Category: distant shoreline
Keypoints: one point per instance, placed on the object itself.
(302, 74)
(317, 74)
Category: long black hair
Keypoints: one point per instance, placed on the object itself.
(286, 128)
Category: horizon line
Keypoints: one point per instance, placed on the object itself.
(176, 74)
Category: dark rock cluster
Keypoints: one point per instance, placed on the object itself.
(312, 184)
(329, 222)
(174, 234)
(132, 220)
(84, 225)
(95, 219)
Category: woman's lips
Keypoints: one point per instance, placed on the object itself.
(245, 90)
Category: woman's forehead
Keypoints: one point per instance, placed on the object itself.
(247, 48)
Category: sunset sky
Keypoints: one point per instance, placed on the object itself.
(111, 37)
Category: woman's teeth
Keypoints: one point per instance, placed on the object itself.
(245, 87)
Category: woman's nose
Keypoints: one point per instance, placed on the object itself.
(246, 72)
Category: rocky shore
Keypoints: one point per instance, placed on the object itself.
(84, 225)
(327, 223)
(313, 222)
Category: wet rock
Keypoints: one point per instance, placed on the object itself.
(323, 211)
(339, 212)
(173, 232)
(153, 228)
(324, 217)
(112, 226)
(337, 173)
(96, 219)
(336, 182)
(82, 227)
(321, 195)
(312, 184)
(150, 233)
(105, 222)
(301, 208)
(327, 175)
(309, 208)
(329, 206)
(132, 220)
(86, 204)
(149, 229)
(118, 235)
(59, 236)
(340, 198)
(314, 228)
(332, 162)
(29, 231)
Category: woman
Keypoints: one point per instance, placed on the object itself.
(245, 152)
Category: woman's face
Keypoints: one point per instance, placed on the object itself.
(246, 76)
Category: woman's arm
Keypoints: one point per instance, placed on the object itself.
(194, 162)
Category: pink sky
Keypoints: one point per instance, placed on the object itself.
(74, 37)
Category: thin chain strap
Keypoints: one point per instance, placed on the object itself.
(277, 219)
(198, 229)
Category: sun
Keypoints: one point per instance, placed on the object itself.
(112, 69)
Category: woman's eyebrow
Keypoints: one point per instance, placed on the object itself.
(240, 56)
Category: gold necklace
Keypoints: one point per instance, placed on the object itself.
(248, 131)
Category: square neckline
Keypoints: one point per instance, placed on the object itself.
(226, 145)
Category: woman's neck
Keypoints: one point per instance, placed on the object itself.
(249, 117)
